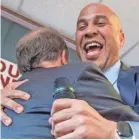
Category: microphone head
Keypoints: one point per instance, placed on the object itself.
(63, 89)
(61, 82)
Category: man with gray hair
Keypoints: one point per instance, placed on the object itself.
(37, 53)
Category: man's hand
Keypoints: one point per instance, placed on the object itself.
(9, 93)
(73, 118)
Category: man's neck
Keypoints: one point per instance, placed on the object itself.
(50, 64)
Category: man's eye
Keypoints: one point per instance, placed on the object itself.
(100, 24)
(81, 27)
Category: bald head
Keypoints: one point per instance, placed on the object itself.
(98, 8)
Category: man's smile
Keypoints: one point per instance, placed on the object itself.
(93, 49)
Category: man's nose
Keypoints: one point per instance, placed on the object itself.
(91, 31)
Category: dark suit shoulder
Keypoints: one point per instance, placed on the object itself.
(136, 68)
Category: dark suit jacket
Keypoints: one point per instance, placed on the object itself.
(90, 85)
(128, 85)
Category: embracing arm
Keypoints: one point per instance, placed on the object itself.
(71, 118)
(9, 93)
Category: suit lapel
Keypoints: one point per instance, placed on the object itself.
(126, 85)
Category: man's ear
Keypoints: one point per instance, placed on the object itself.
(64, 57)
(122, 38)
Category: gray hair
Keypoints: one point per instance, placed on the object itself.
(37, 46)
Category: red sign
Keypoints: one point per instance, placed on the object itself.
(8, 72)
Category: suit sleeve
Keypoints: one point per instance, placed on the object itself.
(28, 125)
(33, 122)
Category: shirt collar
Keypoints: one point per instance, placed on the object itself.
(113, 72)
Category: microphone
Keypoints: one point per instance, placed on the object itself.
(63, 89)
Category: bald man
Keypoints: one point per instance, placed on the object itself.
(99, 38)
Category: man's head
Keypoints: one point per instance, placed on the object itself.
(99, 36)
(41, 48)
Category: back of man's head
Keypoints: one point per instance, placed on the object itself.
(42, 45)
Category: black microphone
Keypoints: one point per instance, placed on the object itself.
(63, 89)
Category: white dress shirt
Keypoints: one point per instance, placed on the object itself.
(112, 74)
